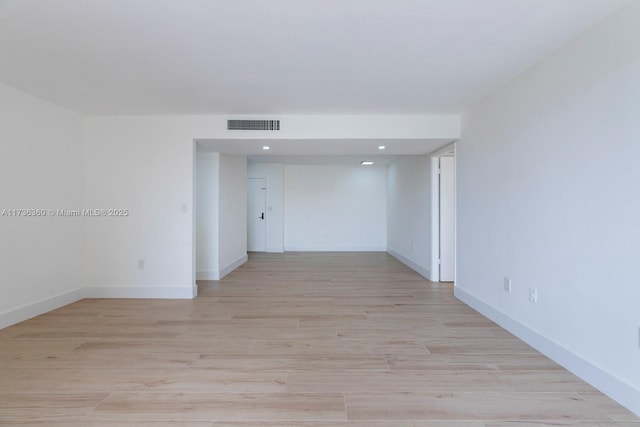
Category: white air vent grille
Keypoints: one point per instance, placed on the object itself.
(253, 124)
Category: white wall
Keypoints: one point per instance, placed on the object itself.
(221, 214)
(146, 165)
(233, 213)
(549, 195)
(345, 127)
(41, 167)
(409, 212)
(207, 211)
(274, 176)
(334, 208)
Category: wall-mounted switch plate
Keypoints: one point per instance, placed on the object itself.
(507, 284)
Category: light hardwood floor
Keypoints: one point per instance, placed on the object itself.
(296, 339)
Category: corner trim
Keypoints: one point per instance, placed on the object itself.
(411, 264)
(610, 385)
(235, 264)
(27, 311)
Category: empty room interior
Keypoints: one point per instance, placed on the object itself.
(418, 213)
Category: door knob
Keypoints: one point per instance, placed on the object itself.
(262, 216)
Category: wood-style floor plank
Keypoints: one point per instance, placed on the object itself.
(289, 362)
(532, 380)
(108, 380)
(46, 406)
(80, 360)
(431, 423)
(289, 340)
(465, 362)
(337, 346)
(471, 405)
(112, 423)
(392, 381)
(230, 346)
(558, 423)
(222, 406)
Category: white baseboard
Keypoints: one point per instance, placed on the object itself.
(157, 292)
(610, 385)
(37, 308)
(411, 264)
(217, 275)
(275, 249)
(319, 248)
(207, 275)
(235, 264)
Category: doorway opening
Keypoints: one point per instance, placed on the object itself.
(443, 215)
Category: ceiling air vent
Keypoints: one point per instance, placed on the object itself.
(253, 124)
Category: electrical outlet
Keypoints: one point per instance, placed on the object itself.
(533, 295)
(141, 264)
(507, 284)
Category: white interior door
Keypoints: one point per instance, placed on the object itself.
(256, 215)
(447, 214)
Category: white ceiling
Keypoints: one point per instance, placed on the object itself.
(279, 56)
(346, 160)
(320, 151)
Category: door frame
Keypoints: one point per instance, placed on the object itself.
(266, 228)
(448, 150)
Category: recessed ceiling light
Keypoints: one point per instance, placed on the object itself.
(265, 147)
(366, 163)
(381, 147)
